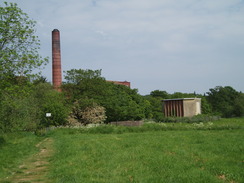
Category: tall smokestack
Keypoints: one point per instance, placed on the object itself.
(56, 60)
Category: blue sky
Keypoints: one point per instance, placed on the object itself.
(171, 45)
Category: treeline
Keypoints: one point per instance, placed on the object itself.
(86, 97)
(219, 101)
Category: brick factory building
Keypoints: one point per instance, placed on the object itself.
(125, 83)
(184, 107)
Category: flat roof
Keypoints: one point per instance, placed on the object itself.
(181, 99)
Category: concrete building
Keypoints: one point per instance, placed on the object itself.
(182, 107)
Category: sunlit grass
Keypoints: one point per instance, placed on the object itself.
(14, 150)
(155, 156)
(155, 152)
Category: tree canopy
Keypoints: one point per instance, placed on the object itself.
(18, 43)
(225, 101)
(120, 102)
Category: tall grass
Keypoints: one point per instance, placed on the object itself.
(152, 156)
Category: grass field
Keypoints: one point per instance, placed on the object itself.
(14, 149)
(202, 152)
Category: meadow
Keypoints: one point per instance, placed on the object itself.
(171, 152)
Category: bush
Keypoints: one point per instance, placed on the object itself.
(17, 113)
(86, 111)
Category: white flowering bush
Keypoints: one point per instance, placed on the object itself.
(86, 111)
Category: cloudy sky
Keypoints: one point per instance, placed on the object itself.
(171, 45)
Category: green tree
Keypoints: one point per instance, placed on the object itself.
(18, 58)
(156, 107)
(120, 102)
(50, 101)
(75, 76)
(161, 94)
(223, 100)
(18, 112)
(18, 44)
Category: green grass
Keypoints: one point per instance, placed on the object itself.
(209, 152)
(14, 149)
(183, 154)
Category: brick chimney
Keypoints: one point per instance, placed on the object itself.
(56, 60)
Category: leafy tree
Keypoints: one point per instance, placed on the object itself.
(18, 58)
(50, 101)
(18, 44)
(223, 101)
(17, 114)
(120, 102)
(205, 106)
(161, 94)
(156, 107)
(182, 95)
(75, 76)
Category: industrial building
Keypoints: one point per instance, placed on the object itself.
(125, 83)
(182, 107)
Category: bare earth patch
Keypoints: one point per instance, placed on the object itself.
(35, 168)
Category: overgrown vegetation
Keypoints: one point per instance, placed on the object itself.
(86, 97)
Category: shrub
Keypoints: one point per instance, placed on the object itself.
(17, 113)
(86, 111)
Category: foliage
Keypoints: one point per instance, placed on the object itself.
(50, 101)
(156, 107)
(18, 58)
(2, 141)
(120, 102)
(161, 94)
(16, 112)
(26, 109)
(205, 106)
(18, 44)
(77, 75)
(86, 111)
(224, 101)
(239, 106)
